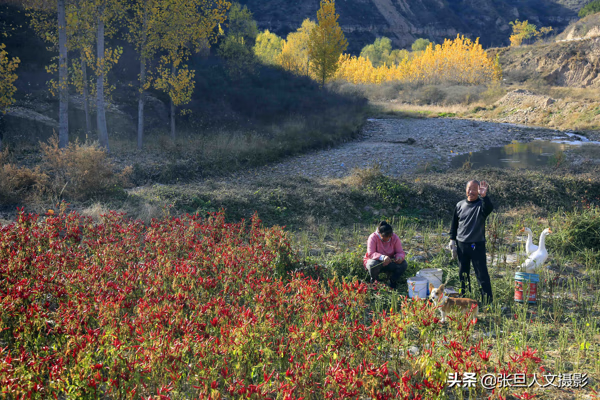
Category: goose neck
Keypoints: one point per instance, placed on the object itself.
(543, 241)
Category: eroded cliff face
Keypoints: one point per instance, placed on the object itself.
(567, 63)
(405, 20)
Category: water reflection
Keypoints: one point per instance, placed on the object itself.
(515, 155)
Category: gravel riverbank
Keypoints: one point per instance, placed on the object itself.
(388, 142)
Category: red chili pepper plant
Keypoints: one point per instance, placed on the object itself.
(194, 307)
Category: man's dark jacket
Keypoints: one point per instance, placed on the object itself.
(468, 223)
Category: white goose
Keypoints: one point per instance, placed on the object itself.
(529, 246)
(538, 257)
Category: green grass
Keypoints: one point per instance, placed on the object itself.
(367, 196)
(561, 325)
(576, 231)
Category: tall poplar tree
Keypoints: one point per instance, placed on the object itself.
(326, 42)
(81, 37)
(184, 27)
(80, 25)
(63, 76)
(49, 19)
(294, 55)
(141, 19)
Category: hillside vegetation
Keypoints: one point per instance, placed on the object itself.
(590, 9)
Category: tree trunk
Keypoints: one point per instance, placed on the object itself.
(101, 114)
(172, 108)
(172, 120)
(86, 97)
(307, 67)
(141, 103)
(63, 88)
(142, 81)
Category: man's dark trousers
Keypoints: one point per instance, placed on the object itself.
(474, 252)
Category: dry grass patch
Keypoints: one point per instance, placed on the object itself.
(95, 211)
(359, 177)
(442, 97)
(19, 184)
(226, 150)
(80, 171)
(422, 110)
(515, 214)
(578, 94)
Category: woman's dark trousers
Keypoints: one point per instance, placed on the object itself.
(392, 270)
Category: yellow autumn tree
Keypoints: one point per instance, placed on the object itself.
(7, 78)
(81, 37)
(294, 55)
(183, 26)
(460, 61)
(268, 47)
(140, 19)
(82, 34)
(523, 30)
(177, 80)
(326, 42)
(81, 26)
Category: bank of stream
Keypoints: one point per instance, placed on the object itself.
(405, 146)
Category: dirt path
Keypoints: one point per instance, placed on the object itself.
(436, 141)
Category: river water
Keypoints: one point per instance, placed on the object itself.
(537, 153)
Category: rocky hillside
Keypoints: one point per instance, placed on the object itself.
(585, 28)
(565, 63)
(403, 21)
(525, 107)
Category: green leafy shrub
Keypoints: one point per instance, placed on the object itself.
(590, 8)
(347, 264)
(388, 189)
(420, 44)
(431, 95)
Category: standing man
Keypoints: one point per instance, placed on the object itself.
(467, 235)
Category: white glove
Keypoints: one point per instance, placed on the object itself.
(452, 248)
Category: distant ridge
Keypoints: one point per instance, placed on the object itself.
(405, 20)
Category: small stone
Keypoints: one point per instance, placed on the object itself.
(413, 350)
